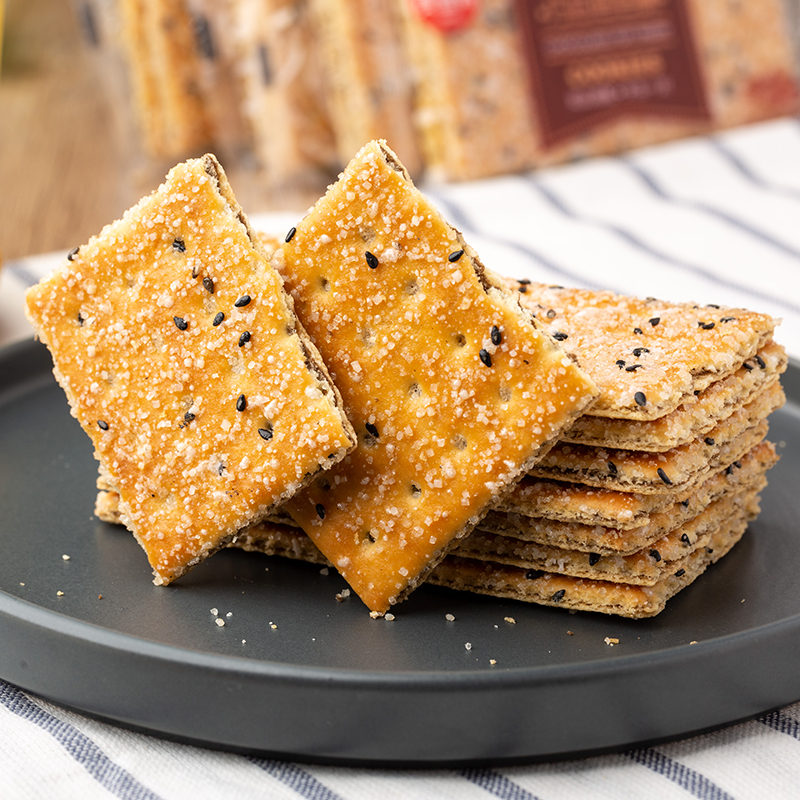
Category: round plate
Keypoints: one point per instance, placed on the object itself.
(295, 672)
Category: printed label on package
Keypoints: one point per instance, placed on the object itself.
(593, 61)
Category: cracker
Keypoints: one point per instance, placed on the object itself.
(591, 506)
(672, 471)
(580, 594)
(608, 538)
(696, 417)
(661, 353)
(452, 390)
(203, 426)
(646, 567)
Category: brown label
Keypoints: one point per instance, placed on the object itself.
(593, 61)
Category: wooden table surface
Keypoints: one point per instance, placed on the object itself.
(64, 173)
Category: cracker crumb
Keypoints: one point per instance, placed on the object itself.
(449, 617)
(215, 611)
(273, 626)
(21, 583)
(570, 633)
(99, 597)
(324, 571)
(59, 594)
(376, 614)
(693, 642)
(390, 617)
(468, 645)
(244, 641)
(220, 622)
(510, 620)
(65, 557)
(610, 641)
(492, 661)
(229, 614)
(343, 595)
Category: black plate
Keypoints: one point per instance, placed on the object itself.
(331, 684)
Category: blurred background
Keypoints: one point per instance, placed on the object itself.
(98, 98)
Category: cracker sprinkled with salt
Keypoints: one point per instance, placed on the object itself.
(183, 360)
(452, 390)
(646, 356)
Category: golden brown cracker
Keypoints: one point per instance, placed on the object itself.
(648, 356)
(452, 390)
(183, 360)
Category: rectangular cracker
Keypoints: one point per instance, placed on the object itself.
(695, 418)
(452, 390)
(618, 540)
(674, 470)
(647, 357)
(625, 511)
(183, 360)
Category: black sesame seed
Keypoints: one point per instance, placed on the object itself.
(727, 319)
(242, 301)
(180, 323)
(188, 416)
(620, 363)
(265, 433)
(241, 403)
(760, 361)
(485, 357)
(220, 469)
(371, 429)
(709, 441)
(737, 464)
(522, 289)
(179, 245)
(685, 503)
(709, 550)
(593, 558)
(612, 467)
(706, 326)
(81, 318)
(680, 573)
(218, 317)
(748, 367)
(244, 338)
(290, 235)
(495, 335)
(453, 257)
(711, 305)
(551, 313)
(558, 596)
(72, 253)
(664, 477)
(654, 321)
(729, 470)
(637, 351)
(102, 424)
(533, 574)
(655, 555)
(633, 367)
(415, 490)
(559, 336)
(637, 330)
(208, 285)
(685, 538)
(640, 399)
(372, 260)
(320, 509)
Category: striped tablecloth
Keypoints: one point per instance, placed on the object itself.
(712, 220)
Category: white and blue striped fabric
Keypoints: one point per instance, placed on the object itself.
(711, 220)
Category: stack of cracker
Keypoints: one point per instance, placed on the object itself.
(474, 468)
(657, 481)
